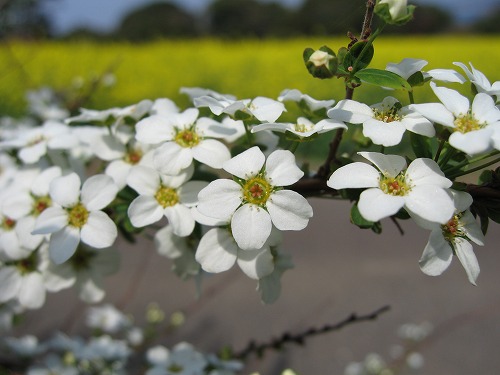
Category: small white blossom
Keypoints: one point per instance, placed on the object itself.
(303, 127)
(480, 81)
(420, 188)
(183, 359)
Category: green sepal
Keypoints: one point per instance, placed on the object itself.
(362, 223)
(383, 78)
(323, 71)
(358, 57)
(421, 146)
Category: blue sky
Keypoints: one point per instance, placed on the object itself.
(104, 15)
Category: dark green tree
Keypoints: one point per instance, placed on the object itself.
(23, 19)
(156, 20)
(249, 18)
(490, 23)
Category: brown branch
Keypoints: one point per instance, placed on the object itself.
(300, 338)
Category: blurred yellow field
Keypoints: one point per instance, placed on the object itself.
(243, 68)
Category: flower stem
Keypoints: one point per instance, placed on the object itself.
(475, 169)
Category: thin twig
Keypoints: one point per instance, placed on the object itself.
(301, 337)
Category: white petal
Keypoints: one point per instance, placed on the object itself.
(220, 199)
(466, 255)
(24, 228)
(382, 133)
(484, 110)
(216, 251)
(65, 190)
(430, 202)
(251, 226)
(354, 175)
(143, 180)
(32, 154)
(18, 205)
(350, 111)
(32, 291)
(266, 110)
(188, 193)
(63, 244)
(281, 169)
(472, 228)
(144, 210)
(99, 231)
(437, 255)
(107, 147)
(389, 165)
(170, 245)
(289, 210)
(406, 67)
(452, 100)
(180, 218)
(473, 142)
(91, 289)
(118, 170)
(446, 75)
(154, 129)
(247, 164)
(256, 263)
(425, 171)
(11, 281)
(374, 205)
(51, 220)
(436, 112)
(98, 191)
(170, 158)
(42, 182)
(418, 125)
(212, 153)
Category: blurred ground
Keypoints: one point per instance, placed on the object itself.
(339, 269)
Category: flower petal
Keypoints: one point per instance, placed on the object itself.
(281, 169)
(11, 281)
(350, 111)
(144, 210)
(256, 263)
(99, 231)
(154, 129)
(247, 164)
(251, 226)
(180, 218)
(65, 190)
(188, 193)
(98, 191)
(437, 255)
(63, 244)
(466, 255)
(382, 133)
(216, 251)
(375, 205)
(212, 153)
(143, 180)
(425, 171)
(51, 220)
(472, 143)
(430, 203)
(436, 112)
(32, 291)
(455, 102)
(220, 199)
(170, 158)
(389, 165)
(289, 210)
(354, 175)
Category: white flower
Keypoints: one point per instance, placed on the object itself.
(184, 138)
(472, 126)
(303, 128)
(135, 111)
(78, 215)
(218, 252)
(256, 201)
(107, 318)
(269, 286)
(161, 195)
(384, 123)
(183, 359)
(34, 143)
(296, 96)
(408, 66)
(453, 238)
(420, 188)
(480, 81)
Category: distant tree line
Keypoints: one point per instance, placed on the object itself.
(237, 19)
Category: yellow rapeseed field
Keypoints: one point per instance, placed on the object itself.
(244, 68)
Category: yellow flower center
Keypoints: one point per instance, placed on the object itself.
(453, 228)
(40, 204)
(257, 190)
(467, 123)
(187, 138)
(389, 115)
(78, 216)
(396, 186)
(167, 197)
(302, 128)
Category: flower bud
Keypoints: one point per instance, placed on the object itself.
(394, 12)
(321, 63)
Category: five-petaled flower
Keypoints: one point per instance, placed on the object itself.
(255, 201)
(76, 215)
(420, 188)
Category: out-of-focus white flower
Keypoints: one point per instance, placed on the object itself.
(183, 359)
(384, 123)
(296, 96)
(107, 318)
(480, 81)
(408, 66)
(303, 127)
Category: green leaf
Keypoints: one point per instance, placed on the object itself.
(421, 146)
(358, 57)
(383, 78)
(417, 79)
